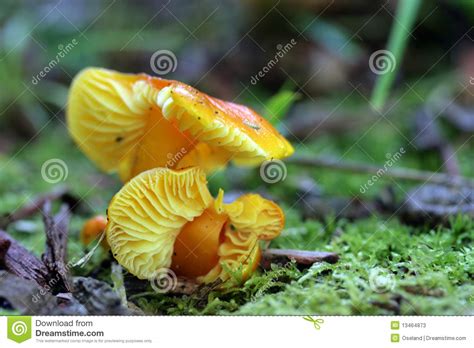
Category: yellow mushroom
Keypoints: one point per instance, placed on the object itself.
(131, 123)
(165, 218)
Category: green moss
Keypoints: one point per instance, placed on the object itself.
(422, 272)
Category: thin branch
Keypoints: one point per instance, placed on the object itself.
(33, 207)
(54, 257)
(18, 260)
(303, 258)
(397, 173)
(51, 271)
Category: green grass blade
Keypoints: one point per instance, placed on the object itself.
(279, 104)
(401, 30)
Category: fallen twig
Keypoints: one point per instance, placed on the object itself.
(54, 257)
(303, 258)
(432, 203)
(397, 173)
(19, 261)
(182, 286)
(28, 298)
(36, 205)
(51, 271)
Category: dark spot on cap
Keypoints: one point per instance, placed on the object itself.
(119, 139)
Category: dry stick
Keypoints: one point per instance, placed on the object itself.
(301, 257)
(4, 246)
(51, 271)
(33, 207)
(398, 173)
(54, 257)
(18, 260)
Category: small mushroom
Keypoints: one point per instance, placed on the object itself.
(93, 229)
(129, 123)
(165, 218)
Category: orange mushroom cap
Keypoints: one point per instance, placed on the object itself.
(93, 229)
(131, 123)
(165, 218)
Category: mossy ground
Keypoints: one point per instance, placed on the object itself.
(424, 270)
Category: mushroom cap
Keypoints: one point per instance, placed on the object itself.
(147, 214)
(93, 229)
(130, 123)
(236, 128)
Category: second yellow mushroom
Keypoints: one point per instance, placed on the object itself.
(166, 218)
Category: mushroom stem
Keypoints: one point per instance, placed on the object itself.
(196, 247)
